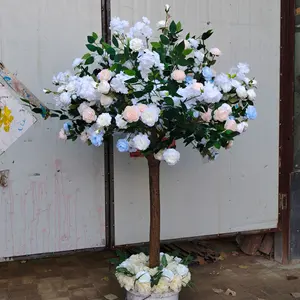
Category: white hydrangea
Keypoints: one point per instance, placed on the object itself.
(251, 94)
(199, 56)
(118, 83)
(118, 26)
(223, 82)
(243, 68)
(136, 44)
(61, 78)
(194, 43)
(87, 88)
(242, 92)
(77, 62)
(211, 93)
(148, 60)
(64, 99)
(141, 30)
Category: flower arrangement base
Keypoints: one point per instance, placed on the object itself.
(136, 296)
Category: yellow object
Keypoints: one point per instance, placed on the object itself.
(5, 118)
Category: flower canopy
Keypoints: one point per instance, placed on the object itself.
(153, 92)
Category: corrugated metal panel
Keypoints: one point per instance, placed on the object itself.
(55, 198)
(239, 191)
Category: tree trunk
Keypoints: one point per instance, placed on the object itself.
(154, 250)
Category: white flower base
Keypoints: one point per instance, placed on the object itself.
(167, 296)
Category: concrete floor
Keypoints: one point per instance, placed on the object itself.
(89, 276)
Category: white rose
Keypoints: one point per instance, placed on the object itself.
(71, 87)
(241, 92)
(242, 127)
(186, 279)
(171, 156)
(161, 24)
(150, 115)
(215, 51)
(141, 142)
(62, 134)
(251, 94)
(159, 155)
(168, 274)
(89, 115)
(125, 281)
(143, 288)
(182, 270)
(254, 82)
(121, 123)
(162, 287)
(104, 120)
(143, 277)
(178, 259)
(167, 8)
(136, 44)
(176, 284)
(106, 100)
(103, 87)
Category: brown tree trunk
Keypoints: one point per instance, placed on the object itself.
(154, 250)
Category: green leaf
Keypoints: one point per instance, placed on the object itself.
(164, 261)
(207, 34)
(129, 72)
(115, 41)
(111, 51)
(100, 51)
(173, 27)
(187, 36)
(164, 39)
(187, 51)
(90, 60)
(95, 35)
(25, 100)
(180, 47)
(86, 56)
(183, 62)
(91, 39)
(91, 47)
(64, 117)
(37, 110)
(155, 45)
(54, 115)
(217, 145)
(124, 271)
(178, 26)
(169, 101)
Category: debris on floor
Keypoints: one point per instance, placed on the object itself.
(230, 292)
(110, 297)
(296, 295)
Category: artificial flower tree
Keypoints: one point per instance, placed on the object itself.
(154, 92)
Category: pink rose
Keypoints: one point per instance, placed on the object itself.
(222, 113)
(197, 86)
(230, 125)
(206, 117)
(89, 115)
(215, 51)
(178, 75)
(142, 107)
(62, 134)
(105, 74)
(131, 114)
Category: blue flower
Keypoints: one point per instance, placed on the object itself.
(207, 73)
(251, 112)
(96, 139)
(189, 79)
(123, 145)
(67, 126)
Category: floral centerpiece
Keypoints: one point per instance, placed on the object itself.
(153, 92)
